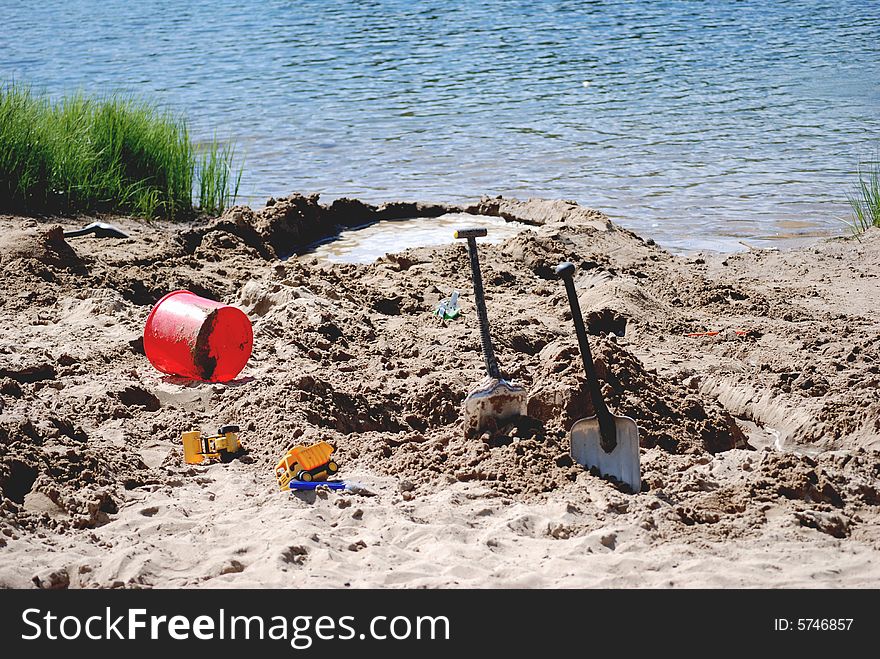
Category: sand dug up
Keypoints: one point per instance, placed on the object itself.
(759, 444)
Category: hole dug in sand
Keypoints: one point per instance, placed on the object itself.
(19, 480)
(606, 321)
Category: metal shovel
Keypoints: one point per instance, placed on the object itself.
(493, 399)
(607, 442)
(98, 229)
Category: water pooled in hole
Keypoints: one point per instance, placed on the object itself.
(368, 243)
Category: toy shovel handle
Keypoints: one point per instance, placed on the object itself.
(607, 428)
(480, 296)
(74, 233)
(99, 229)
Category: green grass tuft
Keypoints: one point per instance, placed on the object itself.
(865, 200)
(218, 184)
(113, 154)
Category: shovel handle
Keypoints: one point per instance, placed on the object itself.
(98, 229)
(471, 233)
(471, 236)
(607, 427)
(74, 233)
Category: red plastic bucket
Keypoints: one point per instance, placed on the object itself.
(197, 338)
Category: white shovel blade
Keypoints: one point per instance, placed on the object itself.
(622, 463)
(490, 403)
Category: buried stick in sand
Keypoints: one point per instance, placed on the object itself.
(493, 399)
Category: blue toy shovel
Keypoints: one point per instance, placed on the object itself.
(304, 486)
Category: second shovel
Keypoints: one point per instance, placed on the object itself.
(607, 442)
(493, 399)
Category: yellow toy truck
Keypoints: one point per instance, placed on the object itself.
(223, 446)
(306, 463)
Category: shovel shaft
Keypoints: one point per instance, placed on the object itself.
(607, 426)
(74, 233)
(98, 229)
(480, 297)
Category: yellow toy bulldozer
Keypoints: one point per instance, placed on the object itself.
(223, 446)
(306, 463)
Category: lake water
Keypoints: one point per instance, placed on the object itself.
(697, 124)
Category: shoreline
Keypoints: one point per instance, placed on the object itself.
(344, 213)
(760, 451)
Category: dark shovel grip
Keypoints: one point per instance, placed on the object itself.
(607, 428)
(74, 233)
(471, 233)
(98, 229)
(480, 298)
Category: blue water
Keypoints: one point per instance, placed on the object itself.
(699, 123)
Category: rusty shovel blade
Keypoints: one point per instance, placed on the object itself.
(490, 403)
